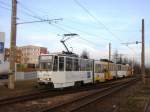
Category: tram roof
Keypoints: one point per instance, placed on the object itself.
(61, 54)
(73, 55)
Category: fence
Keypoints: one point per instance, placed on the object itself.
(25, 75)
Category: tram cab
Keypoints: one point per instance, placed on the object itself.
(122, 70)
(62, 70)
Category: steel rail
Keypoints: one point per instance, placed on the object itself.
(77, 102)
(53, 92)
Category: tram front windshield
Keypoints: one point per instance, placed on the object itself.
(46, 63)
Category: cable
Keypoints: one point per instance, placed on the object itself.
(59, 27)
(90, 14)
(85, 32)
(29, 12)
(5, 8)
(40, 18)
(98, 21)
(5, 4)
(32, 14)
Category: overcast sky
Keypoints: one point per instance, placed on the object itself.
(115, 21)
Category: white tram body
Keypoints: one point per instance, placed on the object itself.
(62, 70)
(122, 70)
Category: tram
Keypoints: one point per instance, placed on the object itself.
(61, 70)
(65, 69)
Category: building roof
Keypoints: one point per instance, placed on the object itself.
(35, 46)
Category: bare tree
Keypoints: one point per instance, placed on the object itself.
(118, 58)
(85, 54)
(115, 56)
(125, 61)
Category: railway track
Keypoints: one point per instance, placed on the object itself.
(54, 92)
(76, 104)
(147, 106)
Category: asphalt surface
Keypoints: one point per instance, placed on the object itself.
(3, 81)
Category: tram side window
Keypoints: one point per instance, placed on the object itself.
(83, 65)
(114, 67)
(91, 65)
(69, 64)
(110, 67)
(98, 68)
(45, 66)
(87, 66)
(119, 67)
(105, 68)
(76, 65)
(123, 68)
(61, 63)
(55, 67)
(102, 68)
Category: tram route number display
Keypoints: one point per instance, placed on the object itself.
(46, 58)
(1, 47)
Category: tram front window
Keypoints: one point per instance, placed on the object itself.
(46, 62)
(46, 66)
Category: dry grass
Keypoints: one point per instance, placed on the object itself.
(137, 101)
(21, 87)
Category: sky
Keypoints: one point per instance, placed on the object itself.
(97, 23)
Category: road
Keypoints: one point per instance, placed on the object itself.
(3, 81)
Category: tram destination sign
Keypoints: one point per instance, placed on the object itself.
(45, 58)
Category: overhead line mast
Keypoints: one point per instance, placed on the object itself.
(11, 80)
(142, 52)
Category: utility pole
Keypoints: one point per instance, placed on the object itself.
(143, 54)
(11, 82)
(109, 56)
(132, 65)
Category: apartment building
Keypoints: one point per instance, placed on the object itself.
(18, 55)
(30, 54)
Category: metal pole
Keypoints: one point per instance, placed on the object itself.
(143, 54)
(11, 81)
